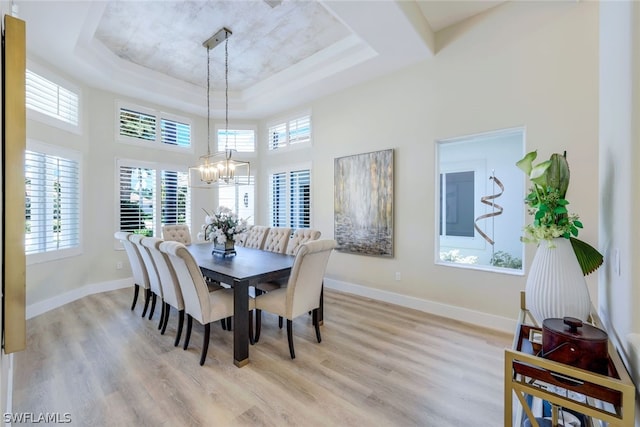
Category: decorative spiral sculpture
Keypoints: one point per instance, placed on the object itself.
(488, 200)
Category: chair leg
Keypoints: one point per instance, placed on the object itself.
(258, 325)
(229, 324)
(162, 314)
(180, 323)
(187, 337)
(153, 305)
(280, 322)
(316, 323)
(167, 310)
(147, 297)
(205, 343)
(136, 290)
(223, 322)
(251, 340)
(290, 338)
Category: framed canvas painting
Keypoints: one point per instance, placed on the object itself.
(363, 203)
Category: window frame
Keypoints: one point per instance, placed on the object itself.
(159, 116)
(69, 154)
(50, 120)
(288, 170)
(158, 168)
(237, 187)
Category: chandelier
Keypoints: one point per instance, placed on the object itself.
(219, 168)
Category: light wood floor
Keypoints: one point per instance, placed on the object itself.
(378, 365)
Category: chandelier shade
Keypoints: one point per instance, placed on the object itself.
(219, 168)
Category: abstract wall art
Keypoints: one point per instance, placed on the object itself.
(363, 203)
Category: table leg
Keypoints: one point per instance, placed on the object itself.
(241, 323)
(321, 309)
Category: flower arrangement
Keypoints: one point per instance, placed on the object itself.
(548, 204)
(222, 225)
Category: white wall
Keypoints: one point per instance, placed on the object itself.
(522, 64)
(620, 177)
(532, 64)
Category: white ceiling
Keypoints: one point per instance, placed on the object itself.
(279, 57)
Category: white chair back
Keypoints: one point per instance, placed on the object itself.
(277, 239)
(138, 269)
(171, 292)
(177, 233)
(305, 282)
(152, 273)
(194, 289)
(256, 237)
(300, 236)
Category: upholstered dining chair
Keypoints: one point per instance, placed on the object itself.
(277, 239)
(152, 273)
(200, 304)
(177, 233)
(299, 237)
(302, 293)
(140, 277)
(171, 293)
(256, 236)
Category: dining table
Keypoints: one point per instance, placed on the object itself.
(246, 268)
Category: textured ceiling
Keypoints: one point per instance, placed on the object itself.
(280, 57)
(167, 37)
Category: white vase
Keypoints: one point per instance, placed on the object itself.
(556, 286)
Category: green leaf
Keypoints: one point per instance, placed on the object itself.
(560, 210)
(574, 231)
(588, 257)
(563, 202)
(558, 174)
(577, 223)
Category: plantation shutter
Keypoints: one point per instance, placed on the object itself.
(278, 199)
(277, 136)
(300, 130)
(175, 133)
(242, 140)
(175, 198)
(48, 98)
(137, 200)
(52, 205)
(137, 125)
(300, 199)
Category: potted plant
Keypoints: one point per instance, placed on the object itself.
(555, 283)
(221, 228)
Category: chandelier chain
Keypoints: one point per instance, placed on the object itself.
(226, 90)
(208, 103)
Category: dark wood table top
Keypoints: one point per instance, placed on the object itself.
(248, 265)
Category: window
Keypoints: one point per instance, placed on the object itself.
(240, 199)
(52, 202)
(142, 208)
(480, 201)
(52, 100)
(290, 199)
(457, 208)
(137, 124)
(241, 140)
(292, 132)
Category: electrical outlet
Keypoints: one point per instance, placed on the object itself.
(119, 265)
(398, 276)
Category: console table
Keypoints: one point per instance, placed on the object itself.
(609, 398)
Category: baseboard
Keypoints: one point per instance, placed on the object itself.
(40, 307)
(479, 318)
